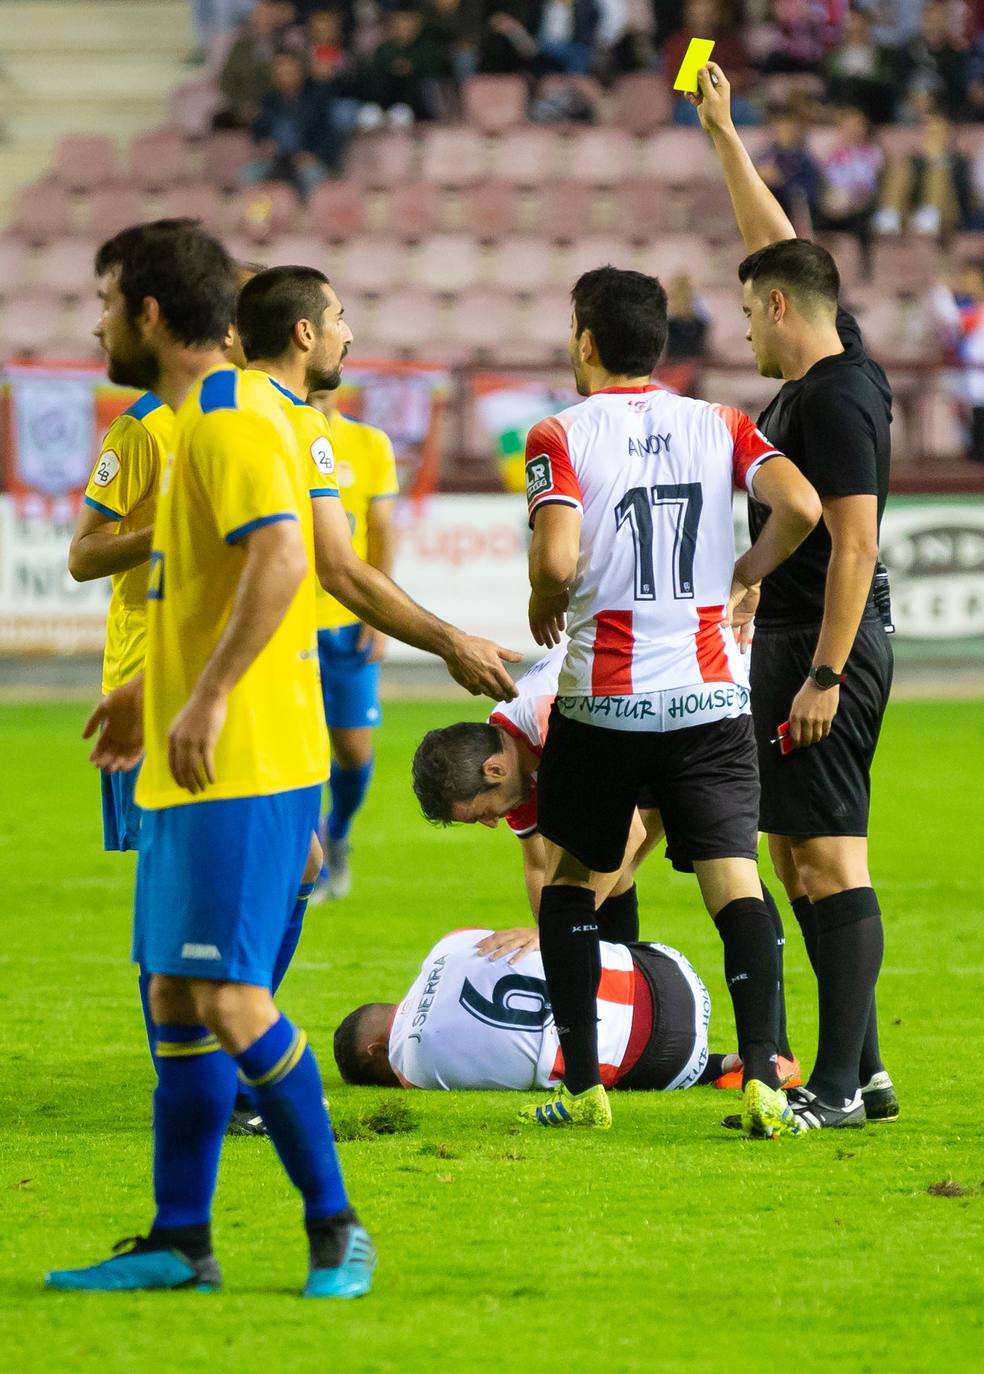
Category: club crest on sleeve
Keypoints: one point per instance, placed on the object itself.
(539, 475)
(106, 469)
(324, 458)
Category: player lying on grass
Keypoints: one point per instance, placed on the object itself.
(469, 1022)
(481, 773)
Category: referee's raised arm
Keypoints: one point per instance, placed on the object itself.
(761, 219)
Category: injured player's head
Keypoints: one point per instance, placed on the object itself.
(471, 773)
(362, 1046)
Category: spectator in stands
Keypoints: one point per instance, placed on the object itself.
(851, 180)
(894, 25)
(214, 21)
(930, 190)
(295, 133)
(246, 73)
(326, 52)
(958, 313)
(687, 320)
(857, 72)
(627, 36)
(403, 76)
(937, 72)
(457, 26)
(975, 78)
(712, 19)
(539, 36)
(802, 32)
(790, 170)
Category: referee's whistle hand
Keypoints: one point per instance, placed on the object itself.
(811, 715)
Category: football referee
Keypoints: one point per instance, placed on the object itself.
(822, 660)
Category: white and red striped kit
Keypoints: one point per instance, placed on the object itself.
(526, 718)
(652, 474)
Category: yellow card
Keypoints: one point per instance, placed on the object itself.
(694, 58)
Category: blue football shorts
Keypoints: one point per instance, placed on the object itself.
(349, 685)
(121, 814)
(217, 882)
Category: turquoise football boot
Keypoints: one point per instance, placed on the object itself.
(352, 1276)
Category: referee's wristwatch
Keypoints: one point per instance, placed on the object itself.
(825, 677)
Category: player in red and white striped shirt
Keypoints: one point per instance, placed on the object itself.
(630, 501)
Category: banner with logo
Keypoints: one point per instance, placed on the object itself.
(408, 401)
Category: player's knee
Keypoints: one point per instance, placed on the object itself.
(351, 748)
(171, 1003)
(315, 858)
(237, 1013)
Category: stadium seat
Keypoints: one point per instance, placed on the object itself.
(672, 255)
(491, 209)
(226, 155)
(381, 159)
(448, 262)
(644, 207)
(494, 103)
(912, 264)
(65, 266)
(483, 320)
(72, 348)
(528, 157)
(42, 211)
(406, 319)
(564, 210)
(846, 252)
(29, 319)
(967, 245)
(266, 209)
(372, 264)
(15, 264)
(298, 250)
(452, 156)
(525, 262)
(588, 88)
(336, 210)
(679, 157)
(414, 209)
(601, 157)
(642, 103)
(198, 200)
(85, 162)
(158, 159)
(728, 327)
(114, 208)
(710, 213)
(597, 250)
(546, 322)
(192, 106)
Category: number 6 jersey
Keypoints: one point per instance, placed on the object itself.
(652, 474)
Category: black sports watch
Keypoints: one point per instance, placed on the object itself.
(825, 677)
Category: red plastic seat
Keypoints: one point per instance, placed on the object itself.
(709, 212)
(546, 322)
(491, 209)
(448, 262)
(564, 210)
(298, 250)
(197, 200)
(587, 87)
(642, 103)
(85, 162)
(482, 319)
(15, 263)
(372, 264)
(525, 262)
(336, 210)
(910, 265)
(414, 209)
(112, 209)
(528, 157)
(381, 159)
(601, 157)
(267, 209)
(226, 156)
(42, 211)
(406, 319)
(679, 157)
(728, 326)
(494, 103)
(158, 159)
(644, 208)
(597, 250)
(29, 319)
(672, 255)
(65, 266)
(192, 106)
(452, 156)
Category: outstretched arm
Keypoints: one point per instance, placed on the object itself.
(761, 219)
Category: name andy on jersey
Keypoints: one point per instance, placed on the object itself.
(653, 445)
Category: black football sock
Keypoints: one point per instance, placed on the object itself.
(782, 1033)
(618, 918)
(803, 911)
(572, 967)
(193, 1241)
(751, 968)
(849, 955)
(712, 1070)
(871, 1060)
(327, 1237)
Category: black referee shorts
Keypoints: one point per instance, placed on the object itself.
(825, 789)
(703, 779)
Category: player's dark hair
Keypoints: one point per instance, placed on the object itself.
(272, 303)
(447, 767)
(797, 266)
(185, 269)
(354, 1064)
(626, 313)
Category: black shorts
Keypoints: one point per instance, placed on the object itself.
(825, 789)
(703, 779)
(681, 1013)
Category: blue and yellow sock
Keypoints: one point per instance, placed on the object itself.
(144, 985)
(285, 1084)
(348, 792)
(291, 935)
(196, 1087)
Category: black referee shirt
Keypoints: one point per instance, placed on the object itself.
(833, 423)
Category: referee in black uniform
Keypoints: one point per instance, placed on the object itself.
(822, 660)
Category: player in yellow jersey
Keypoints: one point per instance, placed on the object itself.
(350, 652)
(228, 718)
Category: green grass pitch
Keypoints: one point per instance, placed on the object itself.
(669, 1244)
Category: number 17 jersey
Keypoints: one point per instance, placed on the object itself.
(652, 475)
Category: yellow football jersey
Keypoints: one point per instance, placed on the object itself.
(365, 470)
(123, 486)
(232, 468)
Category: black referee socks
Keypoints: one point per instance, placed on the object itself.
(849, 953)
(572, 966)
(618, 918)
(751, 968)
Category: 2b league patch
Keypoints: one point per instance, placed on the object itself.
(539, 475)
(106, 469)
